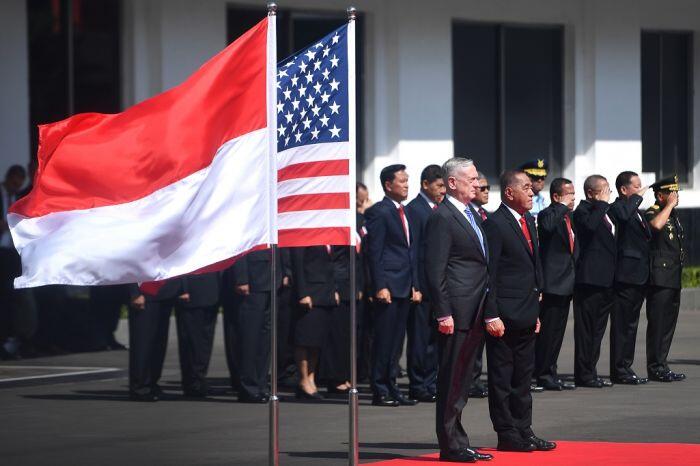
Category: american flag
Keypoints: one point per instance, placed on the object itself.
(316, 143)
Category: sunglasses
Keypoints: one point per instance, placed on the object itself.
(484, 188)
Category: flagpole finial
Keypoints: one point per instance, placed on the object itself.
(271, 9)
(352, 13)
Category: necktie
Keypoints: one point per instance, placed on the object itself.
(435, 206)
(472, 222)
(570, 231)
(402, 214)
(482, 212)
(526, 232)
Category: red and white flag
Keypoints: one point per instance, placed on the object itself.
(172, 185)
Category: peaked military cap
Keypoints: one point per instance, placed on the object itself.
(537, 168)
(669, 183)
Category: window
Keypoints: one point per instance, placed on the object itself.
(74, 59)
(296, 30)
(666, 103)
(507, 95)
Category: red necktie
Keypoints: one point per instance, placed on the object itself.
(570, 231)
(482, 212)
(526, 232)
(435, 206)
(403, 221)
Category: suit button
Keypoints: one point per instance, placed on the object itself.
(535, 290)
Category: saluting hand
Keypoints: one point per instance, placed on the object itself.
(446, 326)
(673, 199)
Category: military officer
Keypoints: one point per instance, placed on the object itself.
(537, 172)
(663, 298)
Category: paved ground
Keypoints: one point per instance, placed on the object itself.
(91, 422)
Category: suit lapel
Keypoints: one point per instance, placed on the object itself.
(397, 218)
(462, 220)
(516, 227)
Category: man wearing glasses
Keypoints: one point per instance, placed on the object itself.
(537, 171)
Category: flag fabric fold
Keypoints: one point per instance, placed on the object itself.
(167, 187)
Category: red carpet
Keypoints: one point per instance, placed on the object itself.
(582, 454)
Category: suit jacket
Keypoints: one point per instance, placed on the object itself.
(203, 290)
(558, 262)
(515, 274)
(598, 247)
(456, 267)
(253, 269)
(393, 263)
(633, 241)
(419, 211)
(313, 275)
(341, 271)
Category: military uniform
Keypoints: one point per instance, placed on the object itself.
(536, 169)
(663, 298)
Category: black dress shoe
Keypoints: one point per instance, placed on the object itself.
(478, 455)
(592, 383)
(662, 377)
(404, 401)
(384, 401)
(257, 398)
(516, 445)
(677, 377)
(458, 456)
(567, 385)
(540, 444)
(535, 389)
(629, 380)
(549, 385)
(425, 397)
(606, 383)
(148, 397)
(300, 394)
(478, 391)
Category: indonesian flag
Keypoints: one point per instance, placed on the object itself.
(172, 185)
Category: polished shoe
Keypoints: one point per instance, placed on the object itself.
(148, 397)
(384, 401)
(606, 383)
(677, 377)
(540, 444)
(478, 391)
(516, 445)
(458, 456)
(535, 389)
(553, 386)
(300, 394)
(567, 385)
(425, 397)
(259, 398)
(630, 380)
(592, 383)
(479, 456)
(662, 377)
(404, 401)
(333, 390)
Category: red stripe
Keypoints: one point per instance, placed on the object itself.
(311, 169)
(151, 288)
(297, 237)
(92, 160)
(325, 201)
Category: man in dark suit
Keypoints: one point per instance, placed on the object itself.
(246, 300)
(558, 253)
(511, 314)
(195, 299)
(392, 247)
(456, 262)
(631, 276)
(594, 297)
(478, 389)
(422, 357)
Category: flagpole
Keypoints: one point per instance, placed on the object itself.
(274, 448)
(353, 444)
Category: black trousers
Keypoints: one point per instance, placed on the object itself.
(230, 303)
(253, 343)
(195, 336)
(148, 342)
(10, 268)
(624, 320)
(592, 306)
(335, 364)
(105, 307)
(663, 305)
(421, 350)
(554, 312)
(478, 365)
(511, 361)
(389, 331)
(456, 357)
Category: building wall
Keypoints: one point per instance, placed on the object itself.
(14, 85)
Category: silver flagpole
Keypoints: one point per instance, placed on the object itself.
(353, 444)
(274, 447)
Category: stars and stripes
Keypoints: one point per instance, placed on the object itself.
(316, 153)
